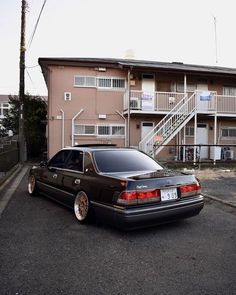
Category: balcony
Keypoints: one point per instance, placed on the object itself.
(207, 102)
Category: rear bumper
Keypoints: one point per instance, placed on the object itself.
(150, 215)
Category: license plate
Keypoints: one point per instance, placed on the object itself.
(169, 194)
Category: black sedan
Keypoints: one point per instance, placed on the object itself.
(122, 186)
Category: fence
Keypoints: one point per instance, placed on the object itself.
(9, 153)
(198, 154)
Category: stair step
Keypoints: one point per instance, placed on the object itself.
(171, 123)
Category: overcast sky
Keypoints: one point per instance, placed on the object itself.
(158, 30)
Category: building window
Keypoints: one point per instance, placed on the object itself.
(100, 130)
(228, 132)
(189, 131)
(110, 83)
(4, 109)
(99, 82)
(191, 87)
(111, 130)
(104, 83)
(103, 130)
(85, 129)
(229, 91)
(118, 130)
(118, 83)
(85, 81)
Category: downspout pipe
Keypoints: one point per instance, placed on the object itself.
(123, 117)
(73, 127)
(128, 120)
(215, 135)
(185, 84)
(195, 140)
(62, 128)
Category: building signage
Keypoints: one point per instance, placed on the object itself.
(206, 96)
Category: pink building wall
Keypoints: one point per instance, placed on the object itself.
(92, 101)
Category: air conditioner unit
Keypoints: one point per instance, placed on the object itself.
(135, 103)
(171, 100)
(67, 96)
(227, 154)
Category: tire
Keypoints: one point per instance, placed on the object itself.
(32, 186)
(83, 209)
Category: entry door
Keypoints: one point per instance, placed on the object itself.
(148, 92)
(202, 138)
(202, 98)
(146, 128)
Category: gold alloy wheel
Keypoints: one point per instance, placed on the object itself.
(81, 206)
(31, 184)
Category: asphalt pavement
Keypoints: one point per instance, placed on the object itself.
(44, 250)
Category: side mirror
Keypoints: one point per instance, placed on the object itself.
(43, 164)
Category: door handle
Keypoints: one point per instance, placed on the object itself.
(77, 181)
(54, 176)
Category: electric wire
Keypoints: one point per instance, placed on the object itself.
(36, 25)
(31, 67)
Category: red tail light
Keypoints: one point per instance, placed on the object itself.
(128, 198)
(190, 189)
(137, 197)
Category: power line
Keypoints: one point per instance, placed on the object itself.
(31, 67)
(27, 72)
(36, 25)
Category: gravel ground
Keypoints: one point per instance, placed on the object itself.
(220, 183)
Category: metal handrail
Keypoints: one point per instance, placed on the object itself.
(170, 124)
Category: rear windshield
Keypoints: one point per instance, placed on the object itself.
(124, 161)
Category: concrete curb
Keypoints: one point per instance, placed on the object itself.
(10, 175)
(6, 196)
(219, 200)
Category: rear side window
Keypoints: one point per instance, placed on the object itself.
(124, 161)
(75, 161)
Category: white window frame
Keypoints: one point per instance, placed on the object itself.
(85, 85)
(96, 130)
(112, 79)
(110, 126)
(96, 82)
(86, 134)
(229, 90)
(187, 131)
(2, 107)
(179, 87)
(228, 129)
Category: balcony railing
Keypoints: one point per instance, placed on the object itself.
(226, 104)
(206, 101)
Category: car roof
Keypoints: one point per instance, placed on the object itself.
(96, 147)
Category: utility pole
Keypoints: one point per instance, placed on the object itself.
(22, 150)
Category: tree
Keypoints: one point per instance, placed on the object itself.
(35, 112)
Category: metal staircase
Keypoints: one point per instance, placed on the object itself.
(169, 126)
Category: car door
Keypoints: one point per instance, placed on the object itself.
(73, 176)
(52, 175)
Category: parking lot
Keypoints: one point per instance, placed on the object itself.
(219, 184)
(44, 250)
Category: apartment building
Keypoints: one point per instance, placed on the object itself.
(160, 108)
